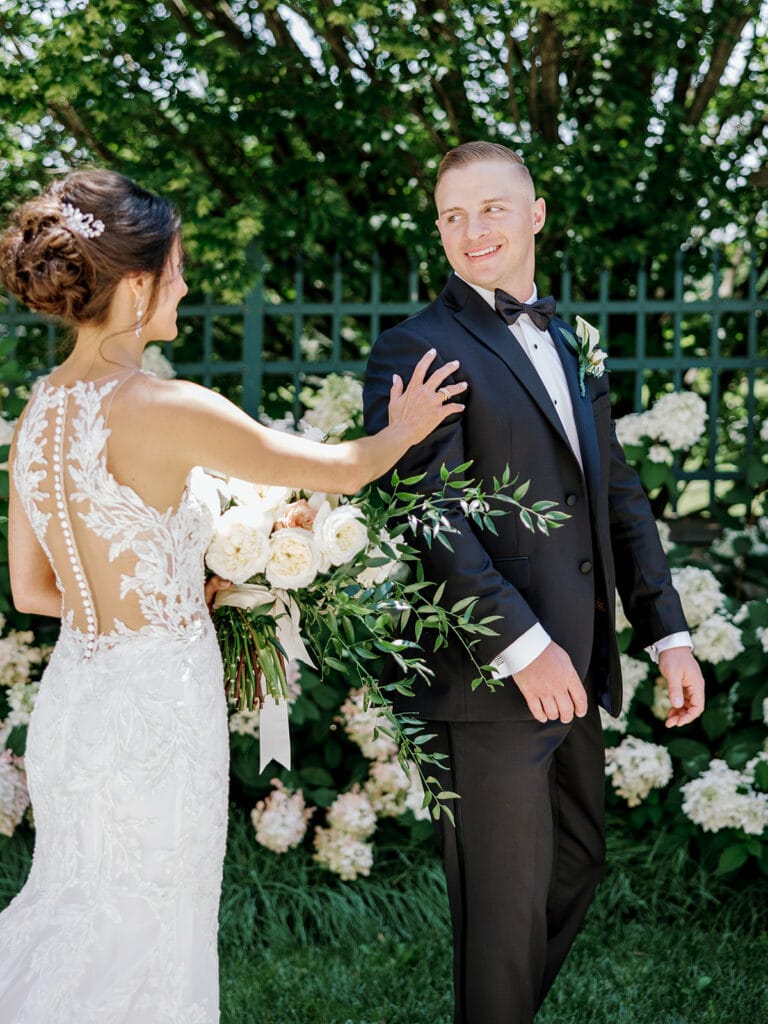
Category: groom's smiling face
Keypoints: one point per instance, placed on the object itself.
(488, 218)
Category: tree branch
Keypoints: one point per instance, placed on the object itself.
(68, 116)
(551, 51)
(219, 14)
(721, 54)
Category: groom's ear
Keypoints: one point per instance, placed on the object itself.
(539, 215)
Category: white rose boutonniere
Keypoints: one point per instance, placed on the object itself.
(586, 344)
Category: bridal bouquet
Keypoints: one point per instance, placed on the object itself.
(333, 582)
(283, 550)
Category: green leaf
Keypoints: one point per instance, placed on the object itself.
(731, 859)
(316, 776)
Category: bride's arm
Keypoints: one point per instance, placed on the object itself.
(33, 584)
(205, 429)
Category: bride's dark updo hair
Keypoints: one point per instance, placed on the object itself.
(60, 271)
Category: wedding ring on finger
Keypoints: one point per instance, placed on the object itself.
(445, 393)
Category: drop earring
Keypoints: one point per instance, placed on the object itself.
(139, 315)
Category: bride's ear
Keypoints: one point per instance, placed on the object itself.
(138, 287)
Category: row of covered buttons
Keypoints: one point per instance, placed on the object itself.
(66, 528)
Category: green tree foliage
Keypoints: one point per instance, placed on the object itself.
(318, 125)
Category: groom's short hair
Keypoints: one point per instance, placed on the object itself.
(474, 152)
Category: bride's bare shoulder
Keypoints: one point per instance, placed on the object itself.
(163, 402)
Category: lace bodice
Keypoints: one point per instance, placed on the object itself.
(122, 566)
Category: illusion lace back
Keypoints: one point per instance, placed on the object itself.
(126, 753)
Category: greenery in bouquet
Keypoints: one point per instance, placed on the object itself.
(335, 583)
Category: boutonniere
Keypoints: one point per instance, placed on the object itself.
(586, 343)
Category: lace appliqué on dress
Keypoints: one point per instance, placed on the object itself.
(127, 756)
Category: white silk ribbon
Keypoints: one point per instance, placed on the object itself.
(285, 613)
(274, 734)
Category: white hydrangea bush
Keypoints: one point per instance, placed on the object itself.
(344, 842)
(21, 662)
(708, 780)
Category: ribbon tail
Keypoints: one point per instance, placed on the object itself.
(274, 734)
(289, 632)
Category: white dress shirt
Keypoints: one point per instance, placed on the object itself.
(540, 348)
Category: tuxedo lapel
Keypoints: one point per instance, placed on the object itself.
(477, 317)
(582, 407)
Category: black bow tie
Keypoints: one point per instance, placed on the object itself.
(509, 309)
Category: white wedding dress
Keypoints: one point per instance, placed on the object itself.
(127, 747)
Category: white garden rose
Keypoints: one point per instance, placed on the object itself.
(341, 533)
(270, 499)
(294, 559)
(240, 545)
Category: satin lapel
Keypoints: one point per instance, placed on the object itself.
(476, 316)
(582, 408)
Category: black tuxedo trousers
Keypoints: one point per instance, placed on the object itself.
(523, 857)
(527, 848)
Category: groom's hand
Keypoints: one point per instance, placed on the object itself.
(551, 686)
(686, 685)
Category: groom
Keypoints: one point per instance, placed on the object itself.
(526, 759)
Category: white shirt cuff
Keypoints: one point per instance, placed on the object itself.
(521, 652)
(668, 642)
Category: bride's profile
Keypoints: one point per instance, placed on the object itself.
(126, 753)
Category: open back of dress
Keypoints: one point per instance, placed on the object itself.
(126, 756)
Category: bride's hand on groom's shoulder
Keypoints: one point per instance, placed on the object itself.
(427, 400)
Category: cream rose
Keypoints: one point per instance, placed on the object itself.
(267, 497)
(294, 559)
(341, 533)
(240, 545)
(298, 514)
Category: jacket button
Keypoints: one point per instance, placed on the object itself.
(571, 499)
(586, 567)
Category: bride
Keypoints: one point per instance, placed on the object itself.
(127, 747)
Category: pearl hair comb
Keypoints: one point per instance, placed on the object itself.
(82, 223)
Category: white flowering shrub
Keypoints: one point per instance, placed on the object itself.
(348, 792)
(21, 661)
(280, 821)
(674, 424)
(636, 767)
(14, 798)
(707, 782)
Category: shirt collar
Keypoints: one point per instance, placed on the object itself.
(490, 297)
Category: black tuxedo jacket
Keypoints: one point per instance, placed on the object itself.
(609, 541)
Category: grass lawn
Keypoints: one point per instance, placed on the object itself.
(300, 947)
